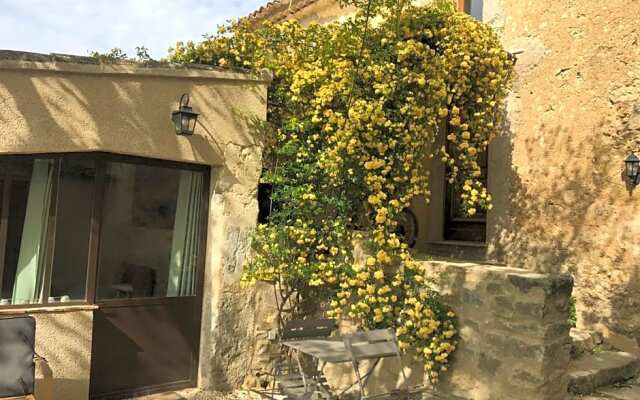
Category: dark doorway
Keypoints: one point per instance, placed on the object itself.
(459, 226)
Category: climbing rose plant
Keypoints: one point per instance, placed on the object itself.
(354, 111)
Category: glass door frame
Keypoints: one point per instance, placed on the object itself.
(7, 183)
(100, 158)
(96, 228)
(111, 306)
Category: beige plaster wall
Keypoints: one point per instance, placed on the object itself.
(63, 339)
(65, 107)
(323, 12)
(49, 107)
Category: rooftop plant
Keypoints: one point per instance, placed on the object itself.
(354, 112)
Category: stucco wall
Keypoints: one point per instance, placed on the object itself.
(63, 347)
(59, 107)
(49, 107)
(63, 339)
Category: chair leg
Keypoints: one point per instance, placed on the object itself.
(356, 370)
(404, 376)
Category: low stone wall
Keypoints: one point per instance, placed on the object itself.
(514, 337)
(514, 334)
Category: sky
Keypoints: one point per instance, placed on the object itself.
(79, 26)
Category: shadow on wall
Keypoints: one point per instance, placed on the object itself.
(128, 114)
(568, 210)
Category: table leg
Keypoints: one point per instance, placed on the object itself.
(356, 370)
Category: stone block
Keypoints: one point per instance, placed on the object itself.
(584, 341)
(489, 364)
(517, 342)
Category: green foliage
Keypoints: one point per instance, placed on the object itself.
(573, 315)
(113, 55)
(354, 118)
(117, 55)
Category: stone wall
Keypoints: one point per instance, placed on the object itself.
(514, 334)
(514, 337)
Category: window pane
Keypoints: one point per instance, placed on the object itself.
(474, 8)
(73, 225)
(30, 185)
(150, 236)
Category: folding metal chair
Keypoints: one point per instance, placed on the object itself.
(290, 378)
(372, 345)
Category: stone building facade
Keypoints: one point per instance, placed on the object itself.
(122, 239)
(561, 203)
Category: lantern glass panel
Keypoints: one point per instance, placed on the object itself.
(192, 123)
(185, 123)
(176, 122)
(635, 169)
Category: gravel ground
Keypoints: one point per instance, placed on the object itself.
(196, 394)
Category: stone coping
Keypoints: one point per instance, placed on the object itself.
(524, 279)
(47, 309)
(500, 269)
(18, 60)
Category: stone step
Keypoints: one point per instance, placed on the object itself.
(621, 393)
(592, 371)
(584, 341)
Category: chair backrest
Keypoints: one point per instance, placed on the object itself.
(371, 344)
(307, 328)
(141, 278)
(17, 368)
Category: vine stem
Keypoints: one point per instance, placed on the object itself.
(356, 70)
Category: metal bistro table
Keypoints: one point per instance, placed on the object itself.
(335, 351)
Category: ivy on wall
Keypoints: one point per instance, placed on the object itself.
(354, 110)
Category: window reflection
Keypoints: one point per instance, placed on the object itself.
(73, 224)
(150, 236)
(28, 186)
(474, 8)
(150, 228)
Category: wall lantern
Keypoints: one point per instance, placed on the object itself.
(632, 169)
(184, 120)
